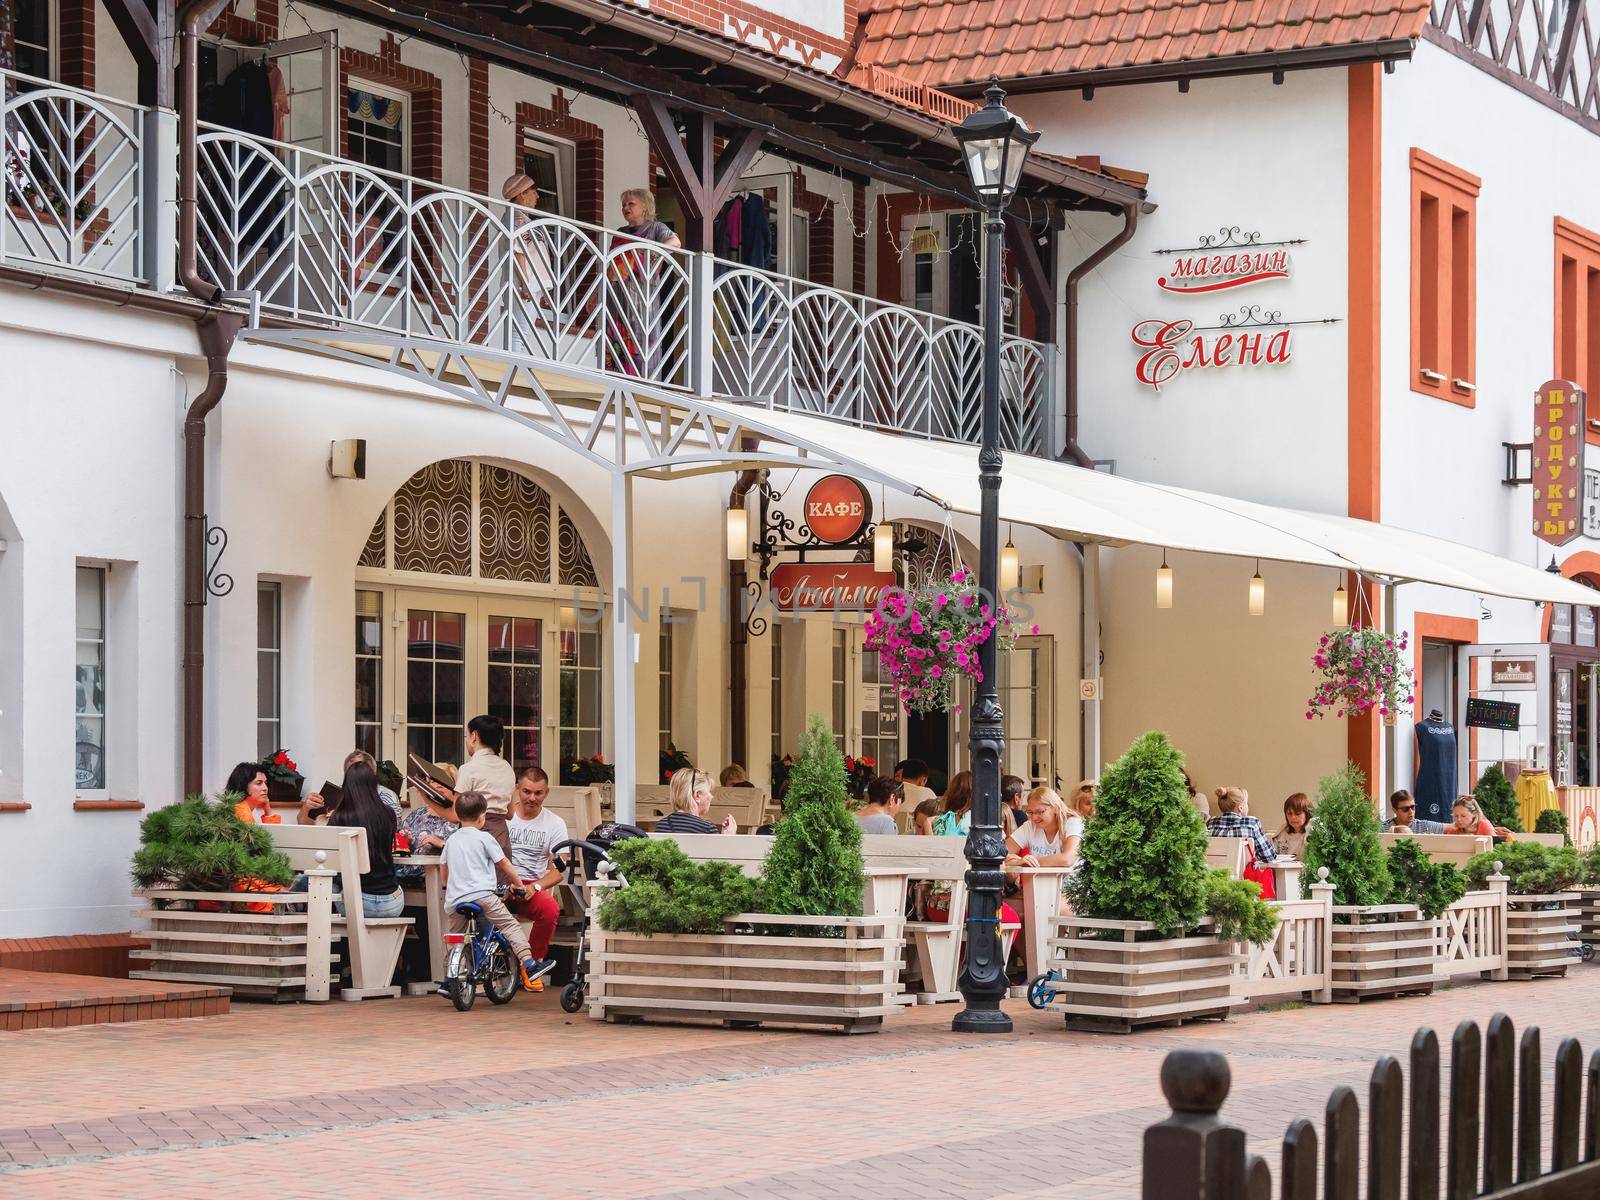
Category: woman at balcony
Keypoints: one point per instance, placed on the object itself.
(533, 274)
(639, 219)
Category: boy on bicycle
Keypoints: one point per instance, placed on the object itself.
(472, 860)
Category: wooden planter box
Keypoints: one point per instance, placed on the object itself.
(260, 956)
(850, 980)
(1538, 941)
(1121, 975)
(1384, 950)
(1588, 911)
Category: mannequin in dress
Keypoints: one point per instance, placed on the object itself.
(1435, 781)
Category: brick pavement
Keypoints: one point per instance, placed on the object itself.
(388, 1097)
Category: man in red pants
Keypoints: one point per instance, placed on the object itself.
(533, 831)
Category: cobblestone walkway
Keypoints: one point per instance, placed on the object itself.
(390, 1097)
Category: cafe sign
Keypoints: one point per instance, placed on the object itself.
(828, 587)
(837, 509)
(1513, 674)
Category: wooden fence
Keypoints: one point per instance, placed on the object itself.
(1296, 960)
(1492, 1142)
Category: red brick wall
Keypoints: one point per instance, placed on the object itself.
(757, 27)
(588, 139)
(477, 125)
(858, 248)
(819, 208)
(104, 954)
(427, 124)
(75, 53)
(257, 32)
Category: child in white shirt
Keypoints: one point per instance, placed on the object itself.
(472, 862)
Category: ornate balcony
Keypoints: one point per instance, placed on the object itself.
(329, 240)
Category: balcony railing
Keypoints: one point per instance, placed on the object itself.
(323, 238)
(74, 167)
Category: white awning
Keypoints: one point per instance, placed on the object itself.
(1091, 506)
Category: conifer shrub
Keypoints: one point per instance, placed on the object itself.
(1497, 799)
(200, 846)
(1553, 820)
(1237, 911)
(1590, 872)
(667, 892)
(1531, 869)
(1415, 878)
(1344, 838)
(814, 867)
(1143, 857)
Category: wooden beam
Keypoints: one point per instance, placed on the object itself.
(736, 158)
(686, 161)
(1037, 277)
(142, 33)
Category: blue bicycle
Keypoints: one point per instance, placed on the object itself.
(481, 956)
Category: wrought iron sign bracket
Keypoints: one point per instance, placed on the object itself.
(778, 533)
(1519, 463)
(218, 582)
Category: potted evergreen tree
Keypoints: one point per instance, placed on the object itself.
(1383, 944)
(1140, 946)
(694, 940)
(1497, 799)
(1588, 892)
(1539, 880)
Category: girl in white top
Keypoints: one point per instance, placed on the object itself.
(1049, 837)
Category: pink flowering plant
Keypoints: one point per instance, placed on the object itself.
(928, 638)
(1360, 670)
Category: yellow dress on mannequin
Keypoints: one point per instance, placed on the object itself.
(1535, 793)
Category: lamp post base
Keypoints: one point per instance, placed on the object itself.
(981, 1020)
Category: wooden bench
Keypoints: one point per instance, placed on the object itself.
(1228, 854)
(1453, 848)
(1553, 840)
(579, 807)
(748, 806)
(373, 942)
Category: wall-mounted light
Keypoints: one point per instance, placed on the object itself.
(1341, 606)
(1163, 583)
(1010, 566)
(1258, 592)
(738, 535)
(347, 458)
(883, 547)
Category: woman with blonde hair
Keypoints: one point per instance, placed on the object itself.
(690, 793)
(1469, 819)
(639, 218)
(1234, 820)
(1291, 839)
(1050, 836)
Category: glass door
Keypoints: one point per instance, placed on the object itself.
(517, 637)
(1517, 674)
(432, 676)
(879, 708)
(1026, 696)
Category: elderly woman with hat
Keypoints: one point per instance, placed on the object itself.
(533, 275)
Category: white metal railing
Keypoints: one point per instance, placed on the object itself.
(324, 238)
(74, 179)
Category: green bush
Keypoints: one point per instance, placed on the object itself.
(198, 846)
(1414, 878)
(1591, 868)
(1239, 912)
(1532, 869)
(1344, 838)
(1497, 799)
(814, 867)
(1143, 857)
(666, 892)
(1553, 820)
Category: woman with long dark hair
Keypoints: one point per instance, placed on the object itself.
(248, 781)
(361, 808)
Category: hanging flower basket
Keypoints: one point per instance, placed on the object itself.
(1359, 670)
(928, 639)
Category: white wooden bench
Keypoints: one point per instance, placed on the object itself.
(1454, 848)
(1228, 853)
(579, 807)
(373, 942)
(1554, 840)
(748, 806)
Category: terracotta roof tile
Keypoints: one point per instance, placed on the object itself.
(953, 42)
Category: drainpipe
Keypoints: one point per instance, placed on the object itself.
(739, 636)
(1130, 222)
(217, 331)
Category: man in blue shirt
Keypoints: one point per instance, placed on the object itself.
(1405, 819)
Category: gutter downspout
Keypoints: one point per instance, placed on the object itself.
(217, 331)
(739, 636)
(1130, 222)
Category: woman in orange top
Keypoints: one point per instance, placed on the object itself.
(1470, 819)
(249, 780)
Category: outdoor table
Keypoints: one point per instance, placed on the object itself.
(431, 897)
(1287, 872)
(1042, 904)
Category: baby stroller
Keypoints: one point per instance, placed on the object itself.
(593, 851)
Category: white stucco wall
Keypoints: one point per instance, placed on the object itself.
(1269, 159)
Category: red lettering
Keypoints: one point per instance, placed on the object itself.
(1219, 354)
(1278, 350)
(1160, 362)
(1197, 355)
(1249, 350)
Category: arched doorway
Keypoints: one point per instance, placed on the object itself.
(477, 593)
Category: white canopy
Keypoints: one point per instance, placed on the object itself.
(1091, 506)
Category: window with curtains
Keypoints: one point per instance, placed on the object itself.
(269, 668)
(1444, 217)
(89, 679)
(1577, 308)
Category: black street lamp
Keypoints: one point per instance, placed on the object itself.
(995, 144)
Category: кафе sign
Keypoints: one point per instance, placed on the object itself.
(837, 510)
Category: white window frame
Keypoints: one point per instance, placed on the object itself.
(357, 83)
(385, 604)
(52, 49)
(666, 653)
(103, 570)
(565, 154)
(274, 663)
